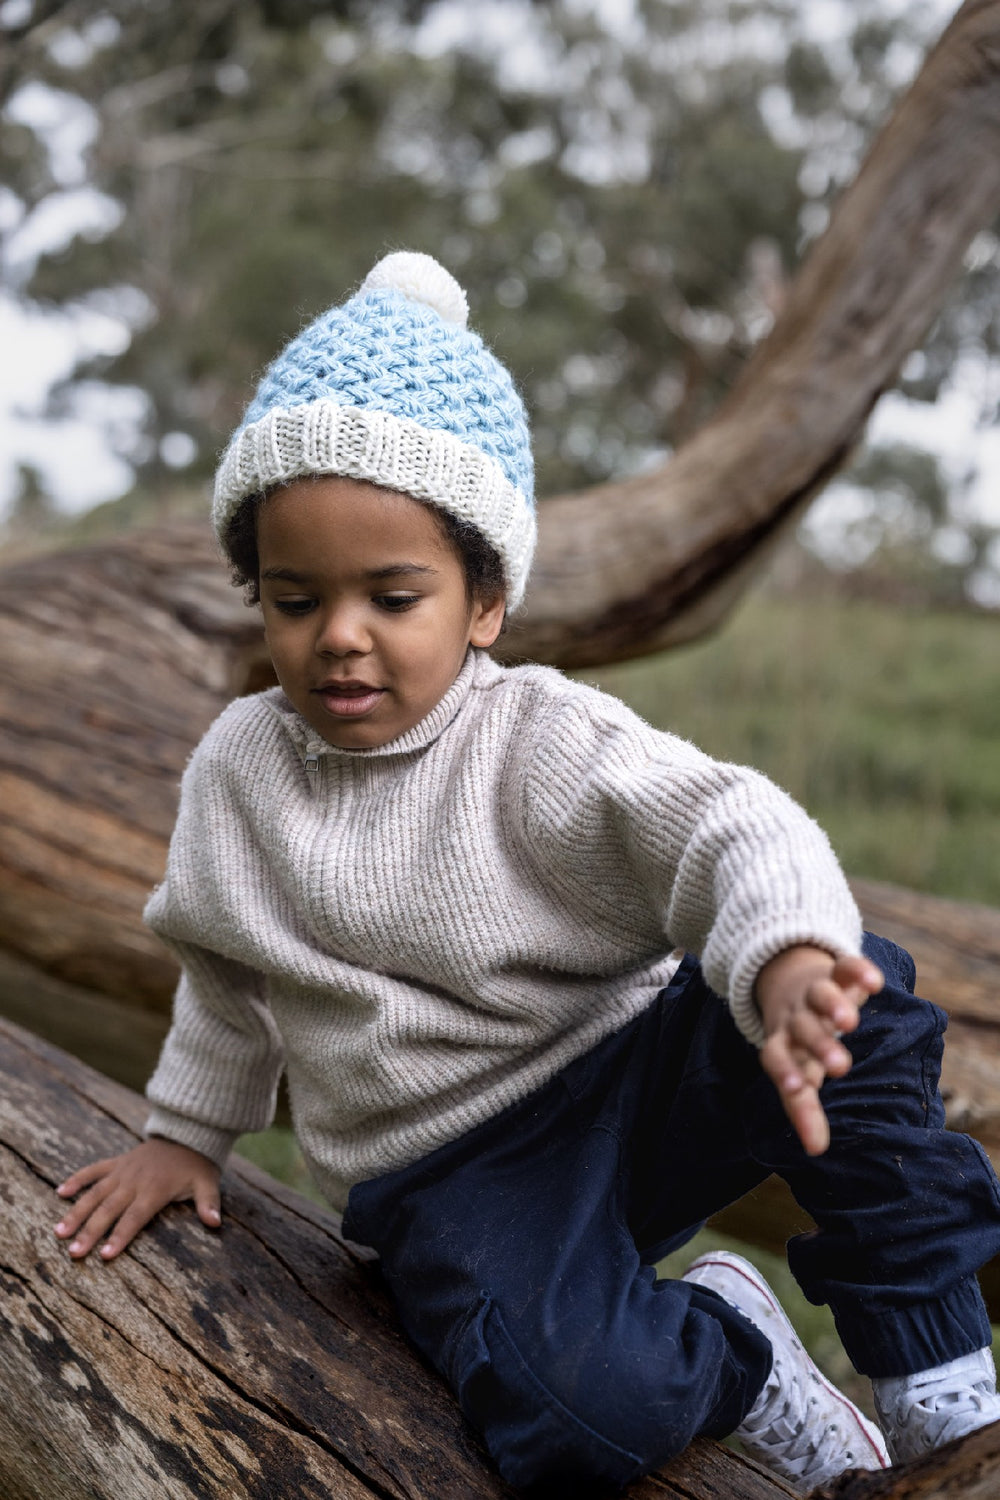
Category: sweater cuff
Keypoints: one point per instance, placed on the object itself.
(791, 934)
(212, 1142)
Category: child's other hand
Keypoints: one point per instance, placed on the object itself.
(807, 999)
(124, 1192)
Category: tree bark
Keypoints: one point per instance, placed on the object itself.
(113, 662)
(631, 567)
(966, 1470)
(257, 1361)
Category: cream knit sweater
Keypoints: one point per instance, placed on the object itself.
(425, 932)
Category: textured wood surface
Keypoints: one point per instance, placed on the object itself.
(969, 1470)
(259, 1362)
(113, 662)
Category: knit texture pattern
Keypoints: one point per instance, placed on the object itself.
(426, 932)
(395, 390)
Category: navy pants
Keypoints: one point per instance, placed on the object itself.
(520, 1256)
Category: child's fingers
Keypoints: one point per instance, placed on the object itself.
(856, 969)
(84, 1177)
(807, 1115)
(859, 976)
(208, 1205)
(835, 1005)
(789, 1068)
(136, 1216)
(797, 1079)
(97, 1224)
(83, 1208)
(812, 1036)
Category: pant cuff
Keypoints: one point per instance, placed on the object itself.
(905, 1340)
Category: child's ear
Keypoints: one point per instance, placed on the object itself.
(487, 619)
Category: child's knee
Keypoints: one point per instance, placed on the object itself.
(533, 1433)
(563, 1405)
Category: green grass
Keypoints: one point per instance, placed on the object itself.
(884, 724)
(276, 1151)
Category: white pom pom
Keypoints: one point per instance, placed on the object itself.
(422, 279)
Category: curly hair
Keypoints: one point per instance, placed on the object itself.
(481, 563)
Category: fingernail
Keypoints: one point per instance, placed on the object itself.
(793, 1082)
(107, 1249)
(75, 1247)
(60, 1229)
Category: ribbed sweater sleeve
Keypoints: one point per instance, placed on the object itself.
(736, 870)
(217, 1076)
(218, 1071)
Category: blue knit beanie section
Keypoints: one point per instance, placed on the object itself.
(382, 351)
(392, 388)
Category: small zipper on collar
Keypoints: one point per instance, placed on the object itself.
(310, 759)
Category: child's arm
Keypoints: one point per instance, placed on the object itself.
(807, 998)
(124, 1192)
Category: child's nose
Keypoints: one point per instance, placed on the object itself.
(343, 632)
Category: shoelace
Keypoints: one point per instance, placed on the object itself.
(942, 1406)
(803, 1448)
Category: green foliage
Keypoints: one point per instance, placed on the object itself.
(266, 155)
(276, 1151)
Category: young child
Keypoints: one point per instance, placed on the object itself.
(459, 905)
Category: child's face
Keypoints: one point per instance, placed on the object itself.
(365, 607)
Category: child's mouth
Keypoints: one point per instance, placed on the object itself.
(349, 700)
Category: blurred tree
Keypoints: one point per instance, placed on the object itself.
(622, 190)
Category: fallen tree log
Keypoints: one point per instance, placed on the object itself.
(969, 1470)
(634, 566)
(90, 761)
(258, 1362)
(956, 946)
(89, 771)
(262, 1361)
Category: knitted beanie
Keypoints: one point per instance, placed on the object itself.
(394, 389)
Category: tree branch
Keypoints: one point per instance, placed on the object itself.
(628, 568)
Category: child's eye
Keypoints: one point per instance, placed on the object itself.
(396, 603)
(294, 606)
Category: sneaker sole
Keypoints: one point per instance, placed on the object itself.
(736, 1266)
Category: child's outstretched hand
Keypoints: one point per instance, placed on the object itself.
(807, 998)
(124, 1192)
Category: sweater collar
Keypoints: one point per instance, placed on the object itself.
(310, 744)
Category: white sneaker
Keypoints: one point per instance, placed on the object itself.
(920, 1412)
(802, 1427)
